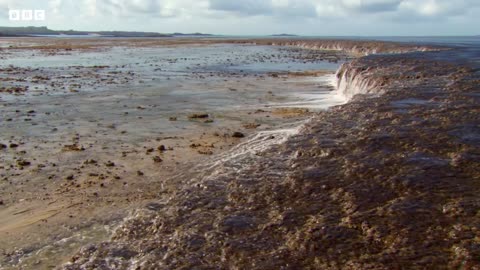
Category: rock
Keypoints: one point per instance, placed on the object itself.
(3, 146)
(13, 145)
(173, 119)
(162, 148)
(23, 163)
(110, 164)
(140, 173)
(157, 159)
(251, 125)
(70, 177)
(199, 116)
(1, 202)
(90, 161)
(73, 147)
(238, 135)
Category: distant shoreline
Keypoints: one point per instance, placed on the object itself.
(31, 31)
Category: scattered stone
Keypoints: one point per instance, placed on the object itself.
(199, 116)
(23, 163)
(173, 119)
(162, 148)
(238, 135)
(70, 177)
(251, 125)
(157, 159)
(140, 173)
(73, 148)
(3, 146)
(110, 164)
(13, 145)
(90, 162)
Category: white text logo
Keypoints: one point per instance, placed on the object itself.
(26, 15)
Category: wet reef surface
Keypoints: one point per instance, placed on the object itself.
(389, 180)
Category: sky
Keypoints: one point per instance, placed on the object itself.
(257, 17)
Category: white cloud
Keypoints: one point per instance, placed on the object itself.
(251, 16)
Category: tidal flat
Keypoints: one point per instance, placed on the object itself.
(93, 129)
(238, 154)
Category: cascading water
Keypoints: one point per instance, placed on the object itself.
(352, 81)
(348, 82)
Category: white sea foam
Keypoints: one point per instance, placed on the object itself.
(264, 140)
(351, 82)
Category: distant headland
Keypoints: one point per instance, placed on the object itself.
(284, 35)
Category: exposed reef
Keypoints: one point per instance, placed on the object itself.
(355, 47)
(388, 181)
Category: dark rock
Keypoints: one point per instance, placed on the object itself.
(23, 163)
(198, 116)
(90, 161)
(238, 135)
(110, 164)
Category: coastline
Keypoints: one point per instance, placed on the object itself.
(381, 182)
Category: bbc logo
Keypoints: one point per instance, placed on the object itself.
(26, 15)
